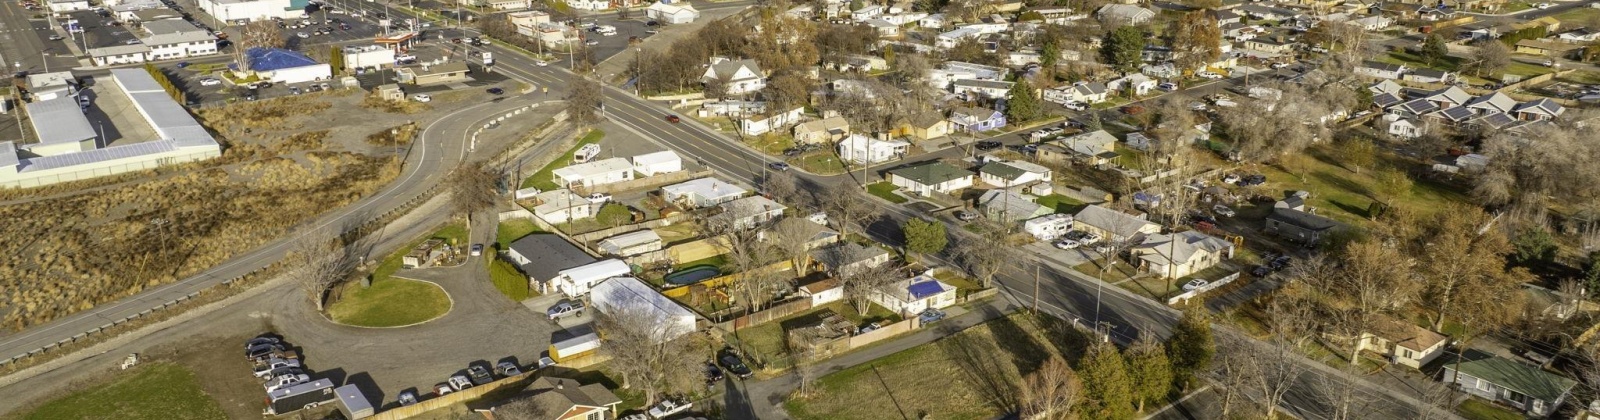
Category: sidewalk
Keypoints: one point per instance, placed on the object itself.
(765, 397)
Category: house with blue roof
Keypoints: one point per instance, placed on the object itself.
(912, 296)
(283, 66)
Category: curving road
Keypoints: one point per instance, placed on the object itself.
(441, 146)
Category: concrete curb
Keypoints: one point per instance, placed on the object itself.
(447, 298)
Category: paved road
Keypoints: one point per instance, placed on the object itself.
(441, 146)
(25, 41)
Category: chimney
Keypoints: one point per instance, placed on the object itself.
(560, 384)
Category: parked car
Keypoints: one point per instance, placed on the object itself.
(987, 145)
(1076, 106)
(599, 197)
(1260, 271)
(283, 381)
(263, 350)
(294, 90)
(459, 382)
(420, 97)
(496, 91)
(477, 250)
(1280, 262)
(262, 339)
(591, 42)
(265, 370)
(302, 35)
(966, 216)
(1208, 75)
(1068, 244)
(507, 369)
(540, 63)
(673, 119)
(713, 373)
(1195, 284)
(408, 398)
(734, 364)
(1222, 210)
(666, 408)
(210, 82)
(565, 309)
(930, 315)
(442, 388)
(56, 37)
(479, 375)
(870, 327)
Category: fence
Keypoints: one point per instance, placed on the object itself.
(586, 238)
(649, 182)
(884, 332)
(1184, 297)
(454, 398)
(773, 313)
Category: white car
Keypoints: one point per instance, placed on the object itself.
(1543, 5)
(421, 98)
(405, 57)
(1208, 75)
(210, 82)
(460, 382)
(591, 42)
(599, 197)
(540, 63)
(1068, 244)
(1195, 284)
(1223, 210)
(1279, 65)
(1076, 106)
(303, 35)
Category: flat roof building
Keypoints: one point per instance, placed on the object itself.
(61, 126)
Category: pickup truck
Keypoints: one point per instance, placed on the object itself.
(565, 309)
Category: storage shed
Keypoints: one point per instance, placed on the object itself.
(631, 243)
(651, 164)
(628, 295)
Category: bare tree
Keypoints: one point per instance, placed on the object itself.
(1460, 254)
(473, 189)
(847, 207)
(318, 261)
(1235, 370)
(257, 34)
(1492, 56)
(783, 187)
(1051, 392)
(984, 256)
(750, 258)
(790, 239)
(583, 101)
(860, 284)
(660, 358)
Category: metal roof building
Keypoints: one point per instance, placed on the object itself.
(61, 127)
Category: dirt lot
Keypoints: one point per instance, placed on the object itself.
(68, 250)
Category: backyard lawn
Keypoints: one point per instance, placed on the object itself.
(152, 391)
(1061, 203)
(1476, 409)
(766, 342)
(1344, 195)
(542, 179)
(885, 190)
(511, 230)
(391, 302)
(820, 162)
(964, 376)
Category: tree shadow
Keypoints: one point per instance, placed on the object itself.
(982, 367)
(1342, 183)
(1068, 341)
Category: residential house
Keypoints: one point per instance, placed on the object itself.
(1081, 92)
(1053, 153)
(749, 212)
(949, 39)
(630, 244)
(1380, 69)
(1579, 36)
(1092, 148)
(1405, 127)
(1113, 225)
(860, 149)
(974, 88)
(1372, 23)
(1278, 43)
(1260, 12)
(1049, 226)
(1124, 14)
(931, 177)
(912, 296)
(817, 235)
(1299, 226)
(847, 257)
(702, 192)
(858, 63)
(978, 71)
(652, 164)
(826, 130)
(1006, 206)
(867, 12)
(1535, 391)
(549, 397)
(1403, 343)
(823, 292)
(674, 13)
(600, 172)
(1136, 84)
(738, 76)
(1544, 48)
(1538, 110)
(977, 119)
(885, 28)
(1427, 75)
(732, 108)
(543, 256)
(926, 126)
(1007, 174)
(577, 281)
(563, 205)
(935, 21)
(1180, 254)
(1138, 141)
(766, 122)
(1225, 16)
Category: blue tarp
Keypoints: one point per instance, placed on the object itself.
(924, 289)
(269, 59)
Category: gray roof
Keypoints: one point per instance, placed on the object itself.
(97, 155)
(1524, 379)
(169, 120)
(171, 26)
(59, 120)
(1182, 246)
(8, 154)
(1091, 88)
(1302, 219)
(1008, 205)
(1115, 222)
(178, 38)
(931, 173)
(989, 84)
(1378, 65)
(1541, 105)
(118, 50)
(550, 397)
(548, 254)
(846, 253)
(727, 68)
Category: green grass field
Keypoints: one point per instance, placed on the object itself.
(1061, 203)
(153, 391)
(885, 190)
(820, 162)
(1344, 195)
(455, 233)
(542, 179)
(511, 230)
(1476, 409)
(964, 376)
(390, 303)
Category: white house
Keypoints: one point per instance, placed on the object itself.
(673, 13)
(823, 292)
(739, 76)
(1081, 92)
(561, 206)
(577, 281)
(1013, 173)
(993, 89)
(702, 192)
(867, 150)
(1124, 14)
(1402, 342)
(1049, 226)
(1380, 69)
(600, 172)
(1137, 84)
(1181, 254)
(931, 177)
(756, 125)
(749, 212)
(949, 39)
(651, 164)
(1405, 127)
(884, 28)
(912, 296)
(631, 243)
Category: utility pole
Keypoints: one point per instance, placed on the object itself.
(1036, 288)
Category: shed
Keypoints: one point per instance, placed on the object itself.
(823, 291)
(631, 243)
(390, 92)
(651, 164)
(628, 295)
(353, 403)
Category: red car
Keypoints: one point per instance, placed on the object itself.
(672, 119)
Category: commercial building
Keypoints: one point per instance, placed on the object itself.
(367, 56)
(426, 74)
(249, 10)
(119, 54)
(174, 38)
(285, 66)
(179, 138)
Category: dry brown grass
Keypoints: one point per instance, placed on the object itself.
(310, 140)
(63, 255)
(268, 114)
(399, 135)
(372, 101)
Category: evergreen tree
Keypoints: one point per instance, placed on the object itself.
(1434, 49)
(1191, 346)
(1125, 47)
(925, 237)
(1021, 105)
(1151, 370)
(1107, 384)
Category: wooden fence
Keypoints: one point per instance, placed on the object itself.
(885, 332)
(454, 398)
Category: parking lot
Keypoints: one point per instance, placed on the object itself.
(99, 31)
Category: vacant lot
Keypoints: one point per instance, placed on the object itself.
(1344, 195)
(154, 391)
(973, 374)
